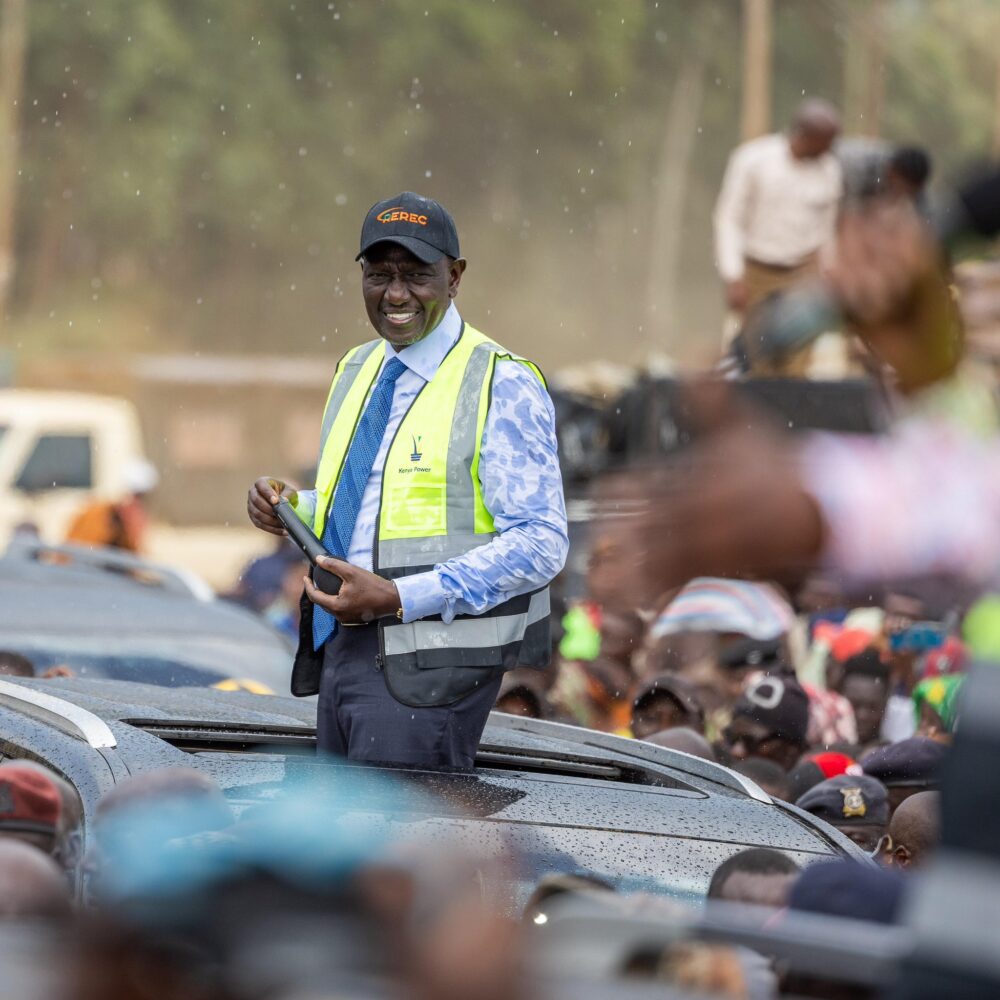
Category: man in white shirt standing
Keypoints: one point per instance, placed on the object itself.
(777, 209)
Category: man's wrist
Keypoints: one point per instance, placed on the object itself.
(421, 595)
(390, 605)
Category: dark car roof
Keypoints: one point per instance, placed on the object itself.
(112, 593)
(629, 785)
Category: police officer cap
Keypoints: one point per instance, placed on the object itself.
(909, 762)
(848, 799)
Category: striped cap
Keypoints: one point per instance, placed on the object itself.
(712, 604)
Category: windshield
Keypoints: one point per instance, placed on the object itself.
(169, 663)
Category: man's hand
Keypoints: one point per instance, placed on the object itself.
(261, 498)
(363, 596)
(734, 505)
(891, 282)
(737, 295)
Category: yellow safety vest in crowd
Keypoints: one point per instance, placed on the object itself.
(431, 509)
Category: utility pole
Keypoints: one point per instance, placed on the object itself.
(13, 42)
(864, 72)
(758, 35)
(996, 113)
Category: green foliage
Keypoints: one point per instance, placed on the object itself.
(209, 161)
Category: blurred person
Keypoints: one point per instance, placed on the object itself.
(831, 717)
(68, 849)
(770, 720)
(522, 694)
(744, 659)
(844, 502)
(557, 885)
(951, 657)
(844, 888)
(777, 209)
(262, 581)
(31, 885)
(716, 632)
(716, 970)
(914, 832)
(594, 694)
(118, 524)
(179, 803)
(683, 739)
(621, 636)
(15, 665)
(581, 639)
(817, 767)
(907, 175)
(759, 875)
(446, 407)
(902, 612)
(160, 787)
(905, 768)
(665, 702)
(303, 898)
(856, 805)
(847, 889)
(30, 807)
(936, 703)
(284, 612)
(864, 682)
(729, 608)
(771, 777)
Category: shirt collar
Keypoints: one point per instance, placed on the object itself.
(425, 356)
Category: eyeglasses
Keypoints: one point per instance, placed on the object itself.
(884, 846)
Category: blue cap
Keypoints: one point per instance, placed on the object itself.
(848, 799)
(909, 762)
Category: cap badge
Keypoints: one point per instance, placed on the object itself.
(854, 802)
(397, 214)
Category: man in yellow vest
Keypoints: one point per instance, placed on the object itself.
(439, 497)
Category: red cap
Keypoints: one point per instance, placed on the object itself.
(29, 802)
(833, 764)
(849, 642)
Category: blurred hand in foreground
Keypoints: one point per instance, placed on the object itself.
(889, 278)
(733, 506)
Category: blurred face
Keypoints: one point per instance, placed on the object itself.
(811, 143)
(656, 713)
(865, 835)
(760, 890)
(746, 738)
(620, 637)
(404, 297)
(518, 703)
(900, 793)
(868, 697)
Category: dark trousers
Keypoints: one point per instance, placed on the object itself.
(359, 719)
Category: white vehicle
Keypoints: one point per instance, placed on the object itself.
(61, 450)
(58, 450)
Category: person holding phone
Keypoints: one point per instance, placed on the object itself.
(439, 498)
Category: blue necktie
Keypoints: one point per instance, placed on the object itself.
(351, 486)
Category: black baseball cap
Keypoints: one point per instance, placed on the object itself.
(421, 225)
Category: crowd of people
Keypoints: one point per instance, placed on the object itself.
(845, 712)
(742, 617)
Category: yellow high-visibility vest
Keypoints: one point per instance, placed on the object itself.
(431, 510)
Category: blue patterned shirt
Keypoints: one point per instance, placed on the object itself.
(521, 485)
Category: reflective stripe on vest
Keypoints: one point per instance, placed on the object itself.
(431, 506)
